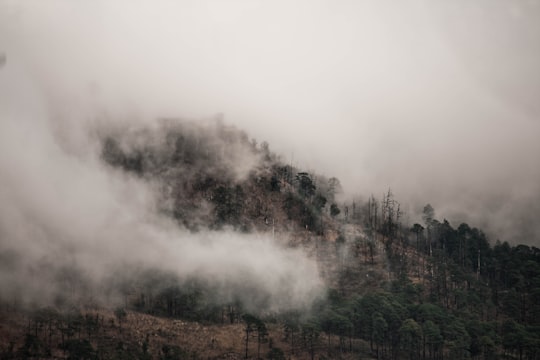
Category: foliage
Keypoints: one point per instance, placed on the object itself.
(80, 349)
(171, 352)
(305, 185)
(275, 354)
(334, 210)
(452, 293)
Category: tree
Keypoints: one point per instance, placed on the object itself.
(432, 338)
(410, 334)
(372, 210)
(173, 352)
(228, 204)
(306, 187)
(121, 315)
(291, 326)
(276, 354)
(392, 310)
(274, 184)
(336, 323)
(319, 202)
(251, 326)
(428, 214)
(310, 334)
(80, 350)
(457, 339)
(417, 229)
(514, 337)
(334, 188)
(44, 318)
(262, 334)
(33, 347)
(380, 327)
(390, 214)
(488, 347)
(334, 210)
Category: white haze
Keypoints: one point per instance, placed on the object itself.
(66, 209)
(437, 100)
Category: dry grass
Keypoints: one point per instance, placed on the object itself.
(214, 341)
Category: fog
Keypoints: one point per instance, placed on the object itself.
(71, 226)
(435, 99)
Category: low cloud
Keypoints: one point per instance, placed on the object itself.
(69, 222)
(435, 100)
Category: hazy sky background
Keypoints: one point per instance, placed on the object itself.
(438, 100)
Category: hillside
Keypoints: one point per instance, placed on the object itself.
(387, 290)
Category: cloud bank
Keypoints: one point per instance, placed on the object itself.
(432, 99)
(69, 222)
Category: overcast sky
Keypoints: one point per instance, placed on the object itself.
(439, 100)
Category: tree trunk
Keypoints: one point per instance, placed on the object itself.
(258, 347)
(247, 341)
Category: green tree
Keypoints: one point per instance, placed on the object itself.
(515, 337)
(333, 322)
(410, 334)
(310, 334)
(275, 354)
(380, 327)
(291, 326)
(457, 339)
(432, 338)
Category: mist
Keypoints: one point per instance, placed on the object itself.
(69, 221)
(437, 101)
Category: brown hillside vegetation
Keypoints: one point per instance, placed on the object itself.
(260, 259)
(142, 336)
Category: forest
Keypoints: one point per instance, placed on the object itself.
(391, 290)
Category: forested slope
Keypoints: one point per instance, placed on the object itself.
(392, 290)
